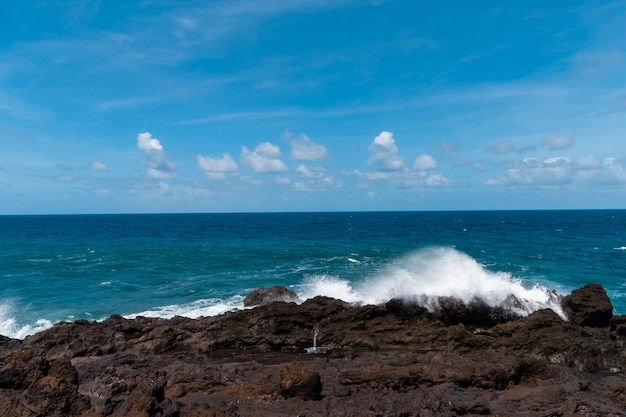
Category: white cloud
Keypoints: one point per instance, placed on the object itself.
(316, 178)
(217, 168)
(156, 159)
(437, 180)
(384, 142)
(390, 167)
(557, 162)
(301, 186)
(372, 176)
(559, 142)
(307, 172)
(530, 163)
(303, 149)
(147, 143)
(549, 172)
(98, 166)
(424, 162)
(384, 153)
(161, 172)
(588, 162)
(265, 158)
(557, 172)
(609, 161)
(407, 179)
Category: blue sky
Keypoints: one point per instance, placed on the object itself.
(287, 105)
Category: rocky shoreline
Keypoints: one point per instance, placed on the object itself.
(396, 359)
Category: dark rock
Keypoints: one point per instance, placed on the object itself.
(395, 359)
(404, 308)
(453, 311)
(262, 296)
(618, 325)
(12, 377)
(301, 383)
(589, 306)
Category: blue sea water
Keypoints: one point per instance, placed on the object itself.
(63, 268)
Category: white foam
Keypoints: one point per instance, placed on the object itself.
(328, 286)
(620, 248)
(9, 327)
(436, 272)
(193, 310)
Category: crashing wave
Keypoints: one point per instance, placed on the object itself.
(430, 275)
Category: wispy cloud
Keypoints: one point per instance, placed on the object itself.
(128, 102)
(243, 116)
(217, 168)
(315, 179)
(562, 172)
(559, 142)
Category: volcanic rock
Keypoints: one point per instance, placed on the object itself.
(395, 359)
(589, 306)
(301, 383)
(262, 296)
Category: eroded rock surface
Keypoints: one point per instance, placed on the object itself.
(396, 359)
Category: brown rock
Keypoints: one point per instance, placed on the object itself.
(301, 383)
(395, 359)
(589, 306)
(262, 296)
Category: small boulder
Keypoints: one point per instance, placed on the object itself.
(262, 296)
(588, 306)
(301, 383)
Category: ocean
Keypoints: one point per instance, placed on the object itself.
(68, 267)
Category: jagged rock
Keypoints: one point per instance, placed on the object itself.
(395, 359)
(262, 296)
(404, 308)
(453, 311)
(589, 306)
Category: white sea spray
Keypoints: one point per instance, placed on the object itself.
(9, 326)
(430, 273)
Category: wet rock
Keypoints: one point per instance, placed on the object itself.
(453, 311)
(404, 308)
(589, 306)
(262, 296)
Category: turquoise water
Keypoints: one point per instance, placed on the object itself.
(55, 268)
